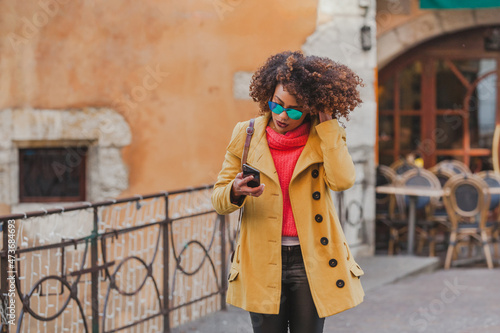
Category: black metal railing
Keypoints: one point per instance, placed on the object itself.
(146, 263)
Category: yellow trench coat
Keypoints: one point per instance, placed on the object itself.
(255, 275)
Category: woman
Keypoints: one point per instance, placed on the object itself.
(292, 265)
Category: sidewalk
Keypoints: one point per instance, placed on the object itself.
(403, 294)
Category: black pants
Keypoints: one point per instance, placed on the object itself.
(297, 309)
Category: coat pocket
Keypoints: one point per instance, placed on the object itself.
(356, 270)
(233, 274)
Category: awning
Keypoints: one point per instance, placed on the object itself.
(458, 4)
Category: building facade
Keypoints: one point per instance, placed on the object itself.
(113, 109)
(438, 86)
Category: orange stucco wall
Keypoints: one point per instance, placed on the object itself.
(102, 53)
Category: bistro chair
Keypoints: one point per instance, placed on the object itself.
(437, 211)
(402, 165)
(453, 165)
(385, 203)
(425, 226)
(492, 178)
(467, 202)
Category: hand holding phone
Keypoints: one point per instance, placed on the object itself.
(249, 171)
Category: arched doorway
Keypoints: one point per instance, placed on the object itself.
(439, 100)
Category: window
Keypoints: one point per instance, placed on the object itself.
(439, 101)
(52, 174)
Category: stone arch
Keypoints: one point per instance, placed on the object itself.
(104, 131)
(430, 25)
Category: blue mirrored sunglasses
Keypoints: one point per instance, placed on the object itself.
(292, 113)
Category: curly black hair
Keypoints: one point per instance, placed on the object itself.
(317, 83)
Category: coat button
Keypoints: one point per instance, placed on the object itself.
(324, 240)
(332, 262)
(315, 173)
(316, 195)
(318, 218)
(340, 283)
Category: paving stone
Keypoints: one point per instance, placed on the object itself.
(403, 294)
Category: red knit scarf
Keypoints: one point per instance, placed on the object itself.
(285, 150)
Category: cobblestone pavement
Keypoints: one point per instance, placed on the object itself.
(456, 300)
(465, 300)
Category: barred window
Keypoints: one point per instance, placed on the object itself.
(52, 174)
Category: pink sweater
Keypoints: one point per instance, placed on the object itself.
(285, 150)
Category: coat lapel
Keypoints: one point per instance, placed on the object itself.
(259, 155)
(312, 151)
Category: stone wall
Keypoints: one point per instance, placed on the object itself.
(400, 30)
(338, 36)
(102, 130)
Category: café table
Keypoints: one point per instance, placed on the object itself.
(413, 192)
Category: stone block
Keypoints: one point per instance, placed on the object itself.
(343, 7)
(5, 157)
(80, 125)
(360, 171)
(105, 125)
(367, 93)
(37, 124)
(112, 129)
(13, 174)
(420, 29)
(4, 185)
(361, 127)
(388, 47)
(394, 7)
(6, 129)
(340, 40)
(113, 175)
(322, 41)
(241, 85)
(453, 20)
(487, 16)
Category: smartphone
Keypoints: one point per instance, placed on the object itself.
(247, 171)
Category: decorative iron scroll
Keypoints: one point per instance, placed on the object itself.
(141, 264)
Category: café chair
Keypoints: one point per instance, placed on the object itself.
(453, 165)
(385, 203)
(425, 226)
(467, 202)
(437, 211)
(402, 165)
